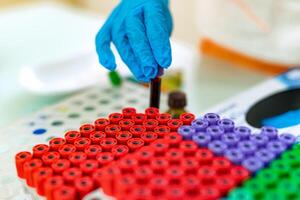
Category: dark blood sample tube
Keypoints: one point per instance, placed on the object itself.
(155, 87)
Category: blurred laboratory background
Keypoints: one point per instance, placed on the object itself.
(220, 48)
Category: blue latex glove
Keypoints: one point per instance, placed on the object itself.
(140, 31)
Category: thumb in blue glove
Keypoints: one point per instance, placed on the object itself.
(140, 31)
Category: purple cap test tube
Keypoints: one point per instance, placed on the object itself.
(187, 132)
(259, 139)
(212, 118)
(270, 132)
(234, 155)
(253, 164)
(215, 132)
(231, 139)
(226, 124)
(276, 147)
(202, 139)
(265, 156)
(217, 147)
(242, 131)
(287, 138)
(248, 148)
(200, 124)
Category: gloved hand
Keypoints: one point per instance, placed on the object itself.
(140, 31)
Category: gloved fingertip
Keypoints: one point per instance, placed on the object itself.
(165, 63)
(108, 64)
(150, 71)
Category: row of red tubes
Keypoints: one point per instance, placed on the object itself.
(65, 168)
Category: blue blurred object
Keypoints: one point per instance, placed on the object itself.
(290, 118)
(140, 31)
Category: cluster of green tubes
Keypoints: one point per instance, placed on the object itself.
(280, 181)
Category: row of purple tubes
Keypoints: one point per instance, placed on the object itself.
(238, 144)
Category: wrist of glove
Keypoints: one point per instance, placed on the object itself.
(140, 31)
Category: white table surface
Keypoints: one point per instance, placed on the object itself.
(38, 33)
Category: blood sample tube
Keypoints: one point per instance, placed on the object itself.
(158, 186)
(123, 137)
(76, 158)
(84, 185)
(115, 118)
(163, 118)
(137, 130)
(226, 124)
(100, 124)
(126, 124)
(50, 157)
(141, 192)
(82, 143)
(159, 165)
(139, 118)
(119, 151)
(204, 156)
(39, 177)
(66, 150)
(202, 139)
(39, 150)
(200, 125)
(88, 167)
(191, 186)
(175, 193)
(92, 151)
(224, 184)
(56, 143)
(71, 136)
(150, 124)
(160, 147)
(143, 174)
(29, 167)
(212, 118)
(187, 132)
(97, 176)
(221, 165)
(52, 183)
(104, 158)
(20, 159)
(215, 132)
(109, 176)
(71, 174)
(270, 132)
(173, 139)
(209, 193)
(108, 143)
(127, 164)
(239, 174)
(162, 130)
(174, 175)
(60, 165)
(86, 130)
(174, 156)
(128, 113)
(149, 137)
(206, 175)
(125, 185)
(97, 136)
(152, 112)
(111, 130)
(190, 166)
(64, 193)
(187, 118)
(174, 124)
(144, 155)
(135, 144)
(189, 148)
